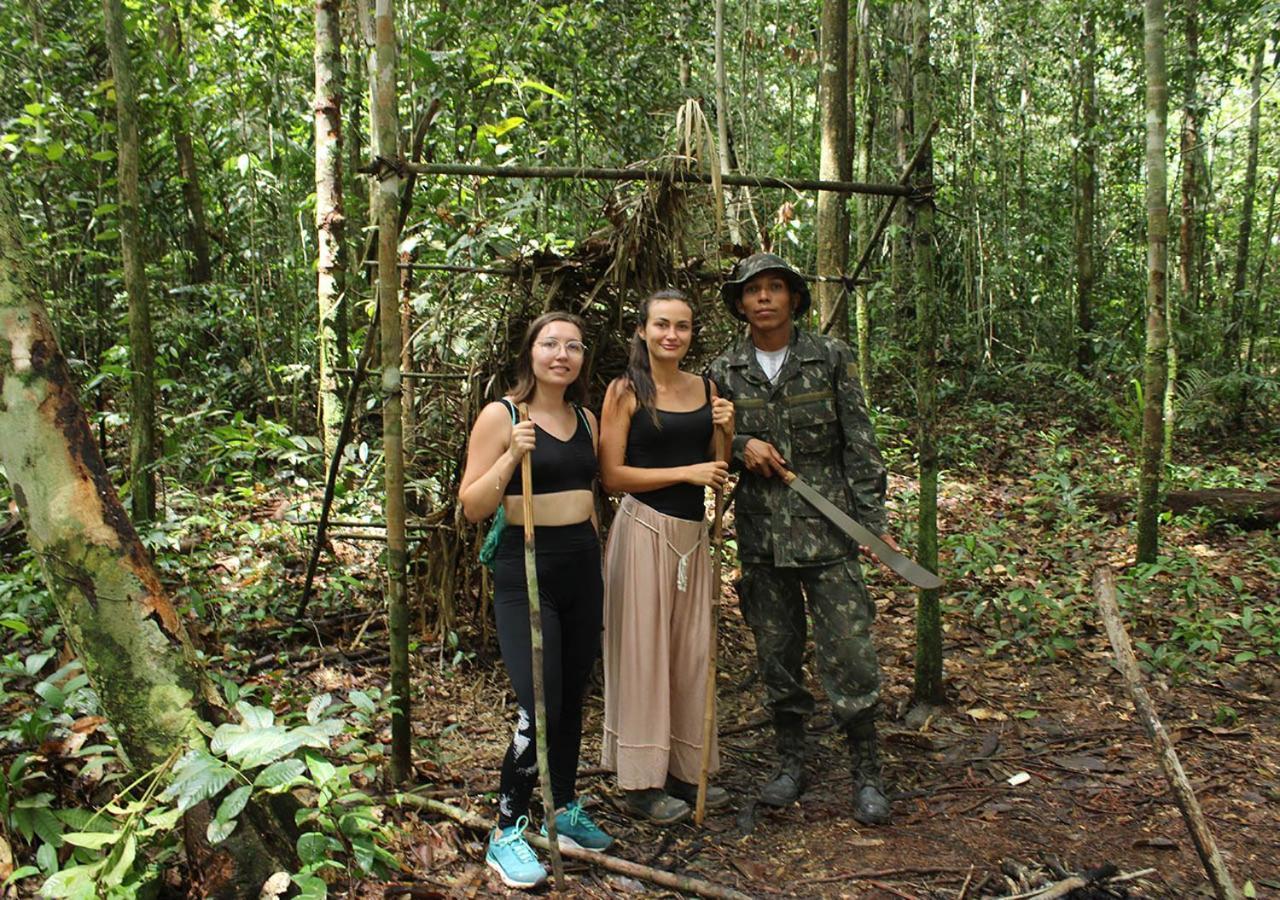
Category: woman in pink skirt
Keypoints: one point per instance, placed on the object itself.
(656, 447)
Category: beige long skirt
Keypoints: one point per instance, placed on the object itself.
(657, 633)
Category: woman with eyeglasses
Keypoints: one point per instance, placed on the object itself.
(561, 438)
(656, 446)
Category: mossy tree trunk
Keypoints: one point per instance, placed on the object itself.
(387, 202)
(1155, 364)
(928, 668)
(835, 159)
(142, 354)
(176, 68)
(1236, 307)
(864, 137)
(118, 619)
(1087, 192)
(330, 220)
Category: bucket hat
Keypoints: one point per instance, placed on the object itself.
(753, 265)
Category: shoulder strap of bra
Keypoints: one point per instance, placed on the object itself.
(586, 423)
(511, 408)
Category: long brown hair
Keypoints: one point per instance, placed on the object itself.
(526, 383)
(639, 374)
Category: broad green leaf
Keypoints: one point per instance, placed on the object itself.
(255, 716)
(259, 747)
(54, 150)
(321, 769)
(360, 700)
(314, 847)
(317, 706)
(75, 883)
(219, 831)
(310, 887)
(278, 774)
(163, 819)
(125, 855)
(92, 840)
(198, 776)
(234, 803)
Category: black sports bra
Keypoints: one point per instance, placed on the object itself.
(558, 465)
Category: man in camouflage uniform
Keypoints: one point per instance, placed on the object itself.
(809, 416)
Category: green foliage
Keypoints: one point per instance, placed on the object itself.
(124, 845)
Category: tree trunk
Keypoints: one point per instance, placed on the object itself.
(142, 356)
(387, 200)
(1087, 180)
(118, 619)
(833, 219)
(722, 126)
(900, 72)
(330, 218)
(175, 66)
(1192, 156)
(865, 142)
(1234, 326)
(1154, 372)
(928, 668)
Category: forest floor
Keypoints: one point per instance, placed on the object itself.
(1035, 767)
(1031, 688)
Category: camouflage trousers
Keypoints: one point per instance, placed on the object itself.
(773, 603)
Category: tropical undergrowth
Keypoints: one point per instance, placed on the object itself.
(1021, 533)
(75, 820)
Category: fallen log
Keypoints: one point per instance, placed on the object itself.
(1248, 509)
(1104, 589)
(612, 863)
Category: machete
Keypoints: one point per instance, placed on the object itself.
(909, 569)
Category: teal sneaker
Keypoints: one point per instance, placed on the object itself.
(512, 858)
(575, 829)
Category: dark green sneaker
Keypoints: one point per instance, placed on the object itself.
(657, 806)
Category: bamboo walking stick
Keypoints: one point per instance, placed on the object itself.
(709, 707)
(535, 641)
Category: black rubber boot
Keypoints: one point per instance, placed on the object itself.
(789, 781)
(870, 806)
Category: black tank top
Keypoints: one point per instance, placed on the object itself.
(681, 440)
(559, 465)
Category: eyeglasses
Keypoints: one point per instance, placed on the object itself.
(553, 345)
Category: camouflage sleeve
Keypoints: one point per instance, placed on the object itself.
(864, 471)
(718, 372)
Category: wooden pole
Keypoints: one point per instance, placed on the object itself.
(598, 174)
(535, 643)
(683, 883)
(709, 704)
(1104, 589)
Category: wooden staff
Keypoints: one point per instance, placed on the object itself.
(1104, 590)
(709, 707)
(535, 642)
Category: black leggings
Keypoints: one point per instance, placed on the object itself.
(571, 592)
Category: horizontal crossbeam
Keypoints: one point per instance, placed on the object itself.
(656, 175)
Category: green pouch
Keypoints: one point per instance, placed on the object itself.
(489, 549)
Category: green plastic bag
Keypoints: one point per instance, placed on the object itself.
(489, 549)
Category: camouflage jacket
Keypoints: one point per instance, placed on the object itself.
(814, 414)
